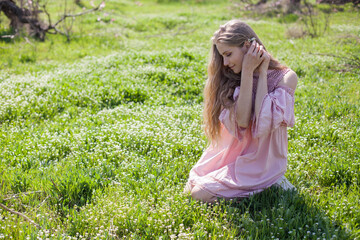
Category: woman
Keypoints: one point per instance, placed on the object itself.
(249, 102)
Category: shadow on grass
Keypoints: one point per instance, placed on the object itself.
(278, 214)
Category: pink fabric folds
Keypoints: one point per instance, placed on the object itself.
(247, 160)
(227, 117)
(277, 109)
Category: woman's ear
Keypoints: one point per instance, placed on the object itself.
(246, 46)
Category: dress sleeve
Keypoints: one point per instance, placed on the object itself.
(228, 119)
(276, 109)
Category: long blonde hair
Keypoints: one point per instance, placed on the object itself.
(222, 81)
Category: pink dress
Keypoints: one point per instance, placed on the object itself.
(248, 160)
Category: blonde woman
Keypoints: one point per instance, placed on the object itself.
(249, 103)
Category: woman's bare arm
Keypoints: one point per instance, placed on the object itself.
(244, 101)
(261, 91)
(251, 61)
(262, 88)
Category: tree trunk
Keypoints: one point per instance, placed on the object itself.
(295, 2)
(21, 16)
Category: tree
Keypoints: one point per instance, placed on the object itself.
(28, 17)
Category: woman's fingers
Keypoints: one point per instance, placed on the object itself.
(252, 47)
(261, 51)
(261, 48)
(256, 49)
(255, 56)
(265, 54)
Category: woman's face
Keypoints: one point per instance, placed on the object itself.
(232, 56)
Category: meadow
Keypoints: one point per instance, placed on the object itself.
(98, 135)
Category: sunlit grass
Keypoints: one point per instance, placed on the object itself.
(107, 127)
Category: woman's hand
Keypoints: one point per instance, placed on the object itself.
(253, 57)
(264, 66)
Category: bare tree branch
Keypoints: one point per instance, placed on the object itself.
(54, 27)
(47, 13)
(21, 215)
(9, 197)
(78, 14)
(20, 16)
(42, 203)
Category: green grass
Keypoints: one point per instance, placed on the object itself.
(107, 127)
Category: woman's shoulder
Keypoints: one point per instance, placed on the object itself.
(289, 79)
(274, 76)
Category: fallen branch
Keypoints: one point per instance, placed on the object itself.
(184, 33)
(28, 41)
(8, 36)
(2, 174)
(172, 34)
(336, 56)
(9, 197)
(353, 60)
(55, 185)
(41, 203)
(21, 215)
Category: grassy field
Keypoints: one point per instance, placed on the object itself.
(102, 131)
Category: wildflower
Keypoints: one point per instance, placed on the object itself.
(102, 5)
